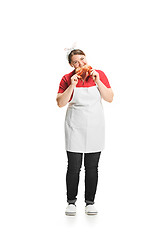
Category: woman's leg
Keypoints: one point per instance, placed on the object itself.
(91, 161)
(72, 176)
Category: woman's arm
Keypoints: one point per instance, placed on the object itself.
(106, 93)
(63, 98)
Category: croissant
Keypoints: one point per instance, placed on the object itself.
(84, 71)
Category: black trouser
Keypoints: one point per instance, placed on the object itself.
(91, 175)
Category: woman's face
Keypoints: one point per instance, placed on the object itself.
(78, 61)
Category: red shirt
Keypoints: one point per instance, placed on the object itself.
(89, 82)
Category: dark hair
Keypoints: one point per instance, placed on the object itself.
(75, 52)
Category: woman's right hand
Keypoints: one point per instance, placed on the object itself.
(74, 79)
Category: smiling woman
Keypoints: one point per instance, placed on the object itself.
(83, 89)
(76, 57)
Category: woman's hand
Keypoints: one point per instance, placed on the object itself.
(74, 79)
(95, 75)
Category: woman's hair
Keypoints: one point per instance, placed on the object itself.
(75, 52)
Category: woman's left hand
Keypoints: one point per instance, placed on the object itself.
(95, 75)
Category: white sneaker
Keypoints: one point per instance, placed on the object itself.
(70, 210)
(90, 210)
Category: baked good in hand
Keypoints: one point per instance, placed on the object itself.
(84, 71)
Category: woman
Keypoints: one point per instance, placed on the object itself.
(84, 127)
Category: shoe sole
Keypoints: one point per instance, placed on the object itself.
(70, 213)
(91, 213)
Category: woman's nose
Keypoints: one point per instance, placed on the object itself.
(81, 63)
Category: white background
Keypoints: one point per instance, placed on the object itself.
(122, 39)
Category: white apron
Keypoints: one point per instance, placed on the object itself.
(84, 121)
